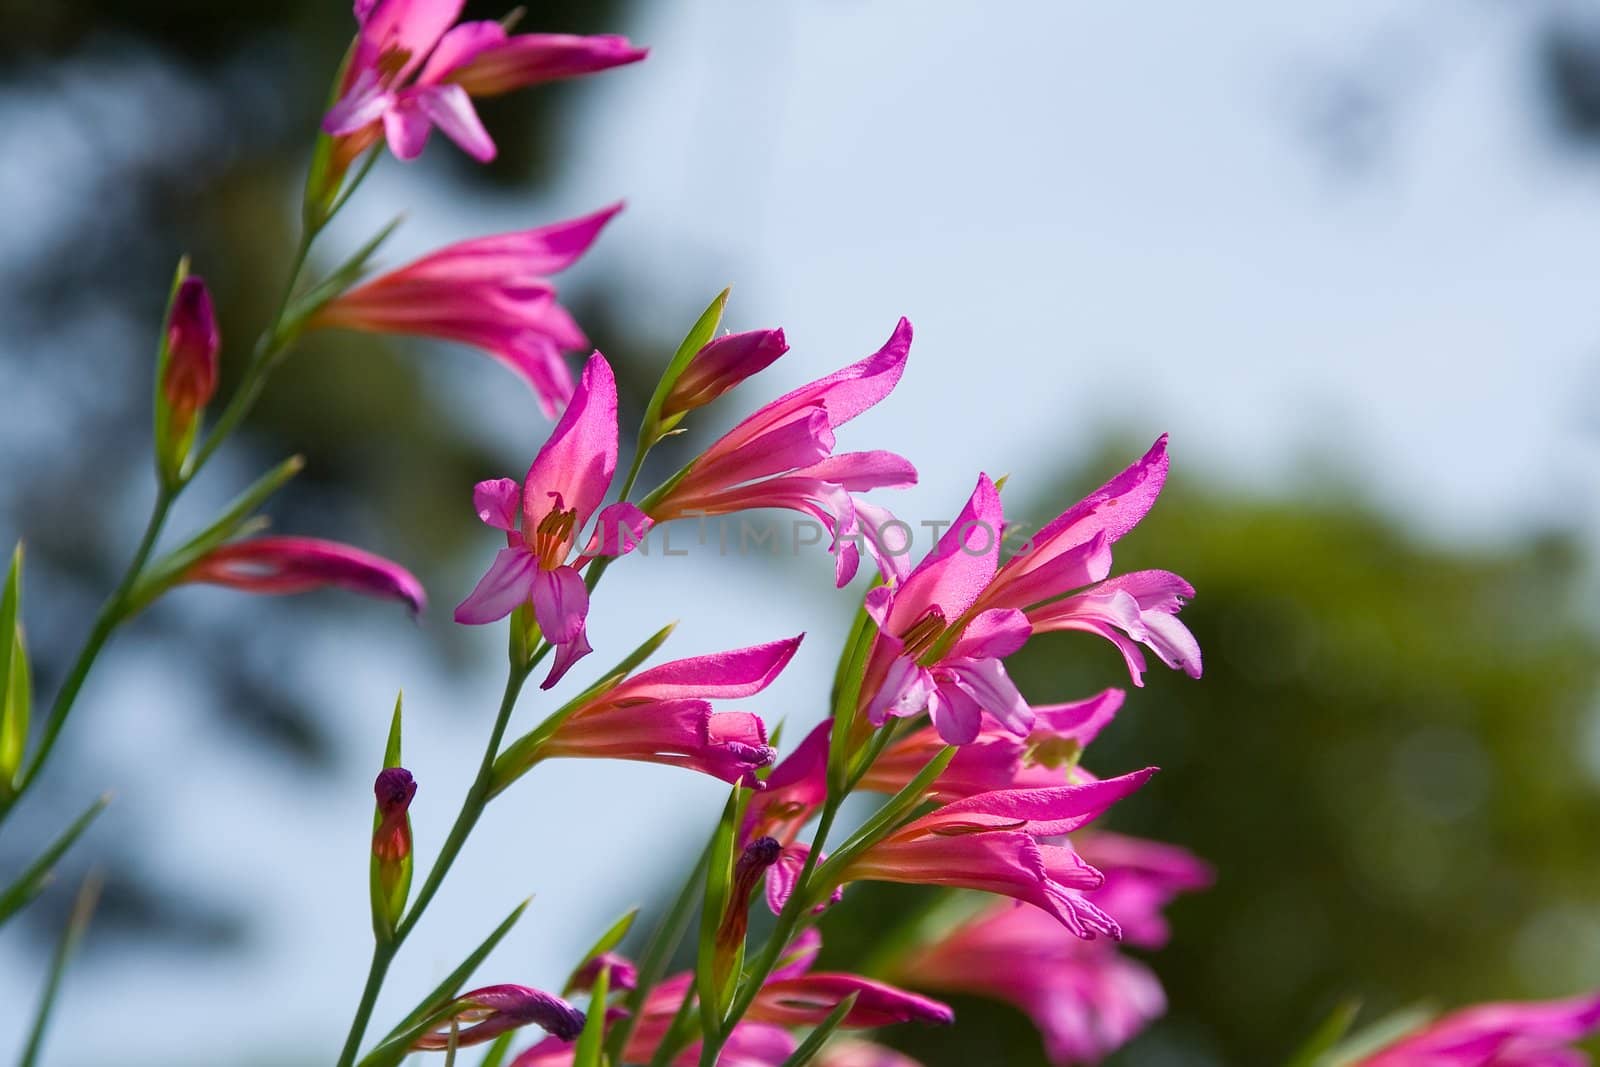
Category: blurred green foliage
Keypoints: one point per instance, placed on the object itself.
(1392, 761)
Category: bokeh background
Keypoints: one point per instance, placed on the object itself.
(1342, 251)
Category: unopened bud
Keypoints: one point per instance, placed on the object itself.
(720, 365)
(187, 372)
(391, 848)
(494, 1010)
(623, 974)
(760, 854)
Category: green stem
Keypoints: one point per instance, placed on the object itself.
(104, 623)
(795, 910)
(477, 798)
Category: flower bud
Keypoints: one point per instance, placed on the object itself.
(623, 974)
(720, 365)
(391, 848)
(760, 854)
(498, 1009)
(188, 372)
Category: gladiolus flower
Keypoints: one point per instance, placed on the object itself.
(921, 660)
(720, 365)
(998, 759)
(564, 486)
(664, 715)
(492, 293)
(494, 1010)
(1086, 998)
(1530, 1034)
(988, 842)
(782, 457)
(410, 71)
(1072, 554)
(300, 564)
(808, 999)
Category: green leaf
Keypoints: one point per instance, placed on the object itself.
(334, 285)
(169, 458)
(394, 1047)
(704, 329)
(715, 979)
(588, 1052)
(77, 924)
(1326, 1036)
(846, 694)
(521, 755)
(1370, 1039)
(170, 569)
(391, 751)
(658, 953)
(27, 886)
(496, 1054)
(818, 1037)
(608, 941)
(15, 685)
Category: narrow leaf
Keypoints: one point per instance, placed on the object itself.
(817, 1038)
(391, 751)
(608, 941)
(15, 687)
(703, 330)
(32, 880)
(82, 910)
(588, 1051)
(716, 988)
(343, 277)
(496, 1054)
(168, 570)
(884, 820)
(1370, 1039)
(1327, 1035)
(415, 1023)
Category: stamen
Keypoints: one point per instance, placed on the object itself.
(554, 534)
(920, 635)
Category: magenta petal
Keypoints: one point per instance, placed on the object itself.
(407, 128)
(560, 604)
(360, 107)
(408, 29)
(960, 565)
(508, 584)
(955, 714)
(1046, 812)
(450, 108)
(906, 690)
(986, 681)
(740, 673)
(620, 528)
(992, 634)
(458, 47)
(566, 655)
(497, 501)
(576, 464)
(1081, 720)
(531, 58)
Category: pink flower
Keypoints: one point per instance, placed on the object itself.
(410, 71)
(997, 758)
(720, 365)
(782, 457)
(564, 486)
(1086, 998)
(492, 293)
(1530, 1034)
(807, 1000)
(926, 657)
(494, 1010)
(664, 715)
(301, 564)
(989, 842)
(1072, 554)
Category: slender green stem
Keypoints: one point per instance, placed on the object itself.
(105, 622)
(795, 910)
(477, 798)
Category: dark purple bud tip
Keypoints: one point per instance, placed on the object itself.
(761, 853)
(394, 789)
